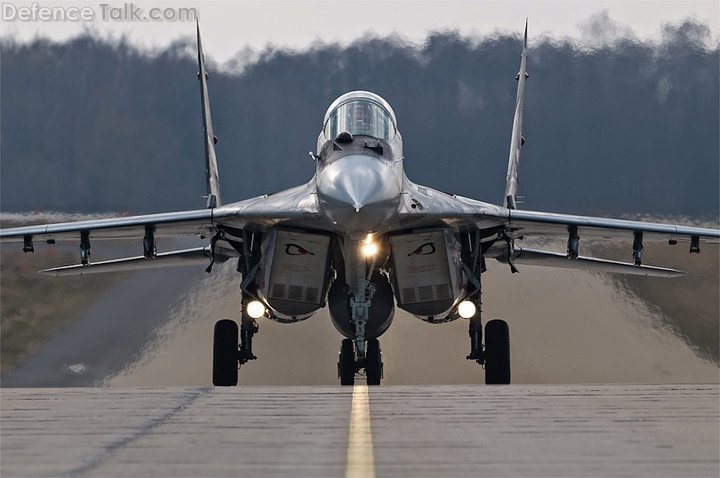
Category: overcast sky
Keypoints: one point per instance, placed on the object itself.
(232, 26)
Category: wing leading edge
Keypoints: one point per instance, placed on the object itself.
(180, 223)
(440, 208)
(295, 204)
(554, 224)
(521, 224)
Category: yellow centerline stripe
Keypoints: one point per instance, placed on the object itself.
(360, 459)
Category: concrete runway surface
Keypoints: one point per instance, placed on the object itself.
(433, 431)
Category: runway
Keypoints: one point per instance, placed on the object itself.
(433, 431)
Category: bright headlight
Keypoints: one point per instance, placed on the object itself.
(466, 309)
(255, 309)
(369, 247)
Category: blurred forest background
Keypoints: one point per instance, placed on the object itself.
(94, 124)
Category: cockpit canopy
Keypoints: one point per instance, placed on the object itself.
(360, 113)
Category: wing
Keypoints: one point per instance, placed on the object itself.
(543, 224)
(294, 206)
(424, 207)
(181, 223)
(536, 224)
(521, 224)
(501, 227)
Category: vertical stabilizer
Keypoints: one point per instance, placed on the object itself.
(517, 140)
(211, 169)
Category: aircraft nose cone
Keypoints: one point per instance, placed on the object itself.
(360, 185)
(358, 191)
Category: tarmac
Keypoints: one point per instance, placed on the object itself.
(319, 431)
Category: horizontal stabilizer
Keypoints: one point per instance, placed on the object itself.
(186, 257)
(560, 260)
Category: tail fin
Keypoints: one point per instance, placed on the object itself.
(211, 169)
(517, 140)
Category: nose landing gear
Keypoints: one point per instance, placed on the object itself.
(371, 364)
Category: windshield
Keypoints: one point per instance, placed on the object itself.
(360, 117)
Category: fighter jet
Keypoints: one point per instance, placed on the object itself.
(362, 239)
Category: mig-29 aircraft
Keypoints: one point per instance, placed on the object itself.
(361, 238)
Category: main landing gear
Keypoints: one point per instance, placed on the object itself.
(495, 356)
(372, 364)
(228, 356)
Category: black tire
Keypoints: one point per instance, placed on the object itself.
(497, 353)
(346, 365)
(373, 362)
(225, 354)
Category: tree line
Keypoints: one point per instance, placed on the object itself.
(95, 124)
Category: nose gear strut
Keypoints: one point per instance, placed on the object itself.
(360, 304)
(365, 355)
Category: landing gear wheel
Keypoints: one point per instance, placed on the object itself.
(497, 353)
(373, 362)
(225, 354)
(346, 365)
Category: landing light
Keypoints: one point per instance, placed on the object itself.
(466, 309)
(369, 248)
(255, 309)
